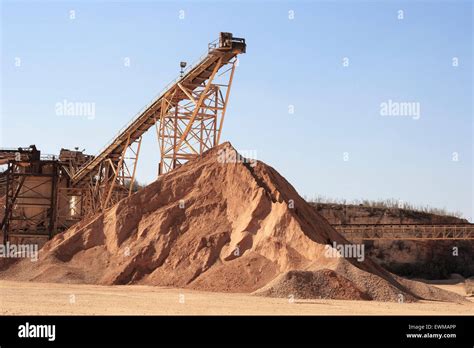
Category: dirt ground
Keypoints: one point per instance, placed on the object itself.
(28, 298)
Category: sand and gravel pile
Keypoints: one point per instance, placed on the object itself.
(324, 283)
(220, 224)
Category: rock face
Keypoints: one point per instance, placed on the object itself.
(412, 258)
(424, 259)
(217, 223)
(359, 214)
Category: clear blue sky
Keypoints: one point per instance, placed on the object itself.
(289, 62)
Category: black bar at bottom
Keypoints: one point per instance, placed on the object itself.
(223, 330)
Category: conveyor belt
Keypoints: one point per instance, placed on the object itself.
(218, 55)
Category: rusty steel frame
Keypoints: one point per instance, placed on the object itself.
(74, 211)
(112, 181)
(20, 192)
(188, 127)
(188, 116)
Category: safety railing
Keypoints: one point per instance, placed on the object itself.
(406, 231)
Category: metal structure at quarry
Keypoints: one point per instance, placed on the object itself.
(35, 190)
(44, 196)
(188, 116)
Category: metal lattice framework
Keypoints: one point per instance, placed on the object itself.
(188, 116)
(30, 200)
(44, 196)
(188, 127)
